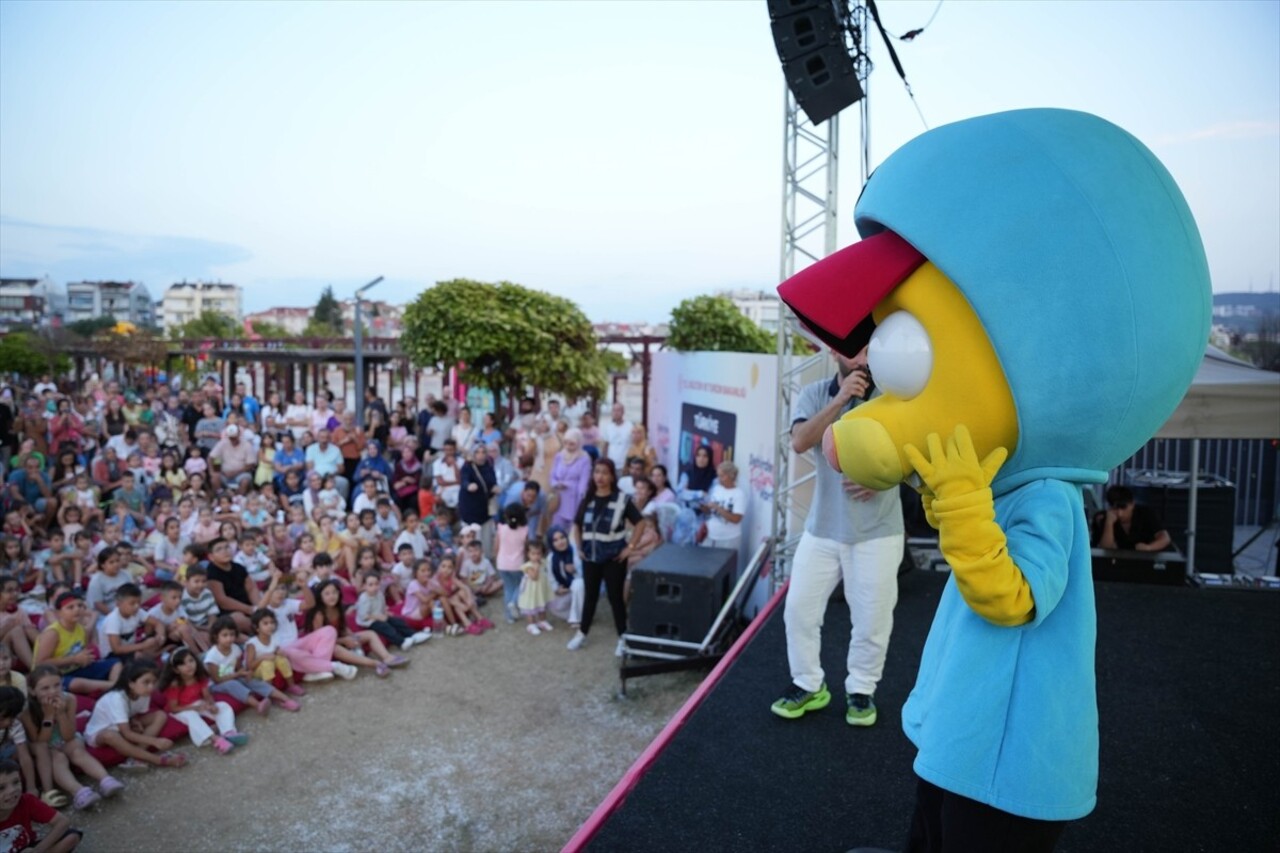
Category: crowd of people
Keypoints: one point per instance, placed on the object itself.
(172, 554)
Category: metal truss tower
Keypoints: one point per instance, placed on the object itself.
(810, 175)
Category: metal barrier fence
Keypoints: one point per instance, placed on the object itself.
(1251, 464)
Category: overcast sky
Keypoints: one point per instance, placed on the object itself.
(623, 154)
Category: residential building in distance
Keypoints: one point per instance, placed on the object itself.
(30, 301)
(292, 320)
(759, 306)
(123, 300)
(382, 319)
(186, 300)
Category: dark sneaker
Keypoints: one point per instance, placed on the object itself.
(799, 702)
(862, 710)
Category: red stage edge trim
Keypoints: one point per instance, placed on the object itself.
(631, 778)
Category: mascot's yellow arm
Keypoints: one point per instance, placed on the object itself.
(958, 502)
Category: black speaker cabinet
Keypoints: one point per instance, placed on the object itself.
(677, 591)
(1169, 494)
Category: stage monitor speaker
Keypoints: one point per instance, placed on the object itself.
(677, 591)
(809, 38)
(1169, 494)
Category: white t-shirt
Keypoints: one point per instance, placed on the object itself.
(102, 589)
(114, 623)
(296, 412)
(223, 664)
(157, 613)
(446, 478)
(263, 650)
(415, 540)
(618, 437)
(735, 501)
(286, 625)
(112, 710)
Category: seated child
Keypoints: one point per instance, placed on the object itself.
(13, 737)
(371, 613)
(118, 632)
(16, 820)
(187, 698)
(123, 720)
(255, 562)
(459, 604)
(167, 621)
(199, 605)
(263, 656)
(50, 723)
(477, 572)
(56, 561)
(225, 665)
(17, 634)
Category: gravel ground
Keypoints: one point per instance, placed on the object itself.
(492, 743)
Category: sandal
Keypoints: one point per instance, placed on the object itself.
(55, 799)
(173, 759)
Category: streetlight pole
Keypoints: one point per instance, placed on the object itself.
(359, 343)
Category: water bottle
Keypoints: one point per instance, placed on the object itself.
(437, 616)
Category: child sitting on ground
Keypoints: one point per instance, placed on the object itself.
(187, 698)
(199, 605)
(459, 604)
(263, 656)
(418, 600)
(535, 589)
(13, 737)
(50, 723)
(371, 613)
(18, 811)
(168, 622)
(118, 632)
(123, 720)
(477, 572)
(224, 662)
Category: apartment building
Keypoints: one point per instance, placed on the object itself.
(760, 307)
(123, 300)
(185, 301)
(30, 301)
(292, 320)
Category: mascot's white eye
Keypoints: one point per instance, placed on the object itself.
(900, 355)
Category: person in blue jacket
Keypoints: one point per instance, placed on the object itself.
(1036, 300)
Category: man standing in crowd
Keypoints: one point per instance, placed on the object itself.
(616, 434)
(851, 532)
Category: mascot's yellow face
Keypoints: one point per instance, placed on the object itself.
(931, 358)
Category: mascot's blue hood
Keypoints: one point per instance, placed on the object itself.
(1079, 255)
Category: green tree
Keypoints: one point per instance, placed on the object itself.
(94, 325)
(24, 354)
(713, 323)
(270, 331)
(328, 314)
(506, 337)
(209, 324)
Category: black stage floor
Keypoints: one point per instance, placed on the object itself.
(1189, 698)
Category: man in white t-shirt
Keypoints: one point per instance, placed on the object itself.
(446, 474)
(616, 434)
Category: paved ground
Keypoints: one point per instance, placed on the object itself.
(493, 743)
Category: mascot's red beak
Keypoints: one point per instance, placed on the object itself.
(834, 297)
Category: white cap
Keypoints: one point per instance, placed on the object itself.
(233, 431)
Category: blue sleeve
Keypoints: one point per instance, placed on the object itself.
(1039, 530)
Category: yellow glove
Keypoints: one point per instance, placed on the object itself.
(963, 511)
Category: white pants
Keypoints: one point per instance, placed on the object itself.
(870, 571)
(198, 728)
(569, 606)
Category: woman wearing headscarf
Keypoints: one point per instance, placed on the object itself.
(406, 476)
(373, 466)
(700, 475)
(566, 577)
(570, 479)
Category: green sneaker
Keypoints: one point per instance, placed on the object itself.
(799, 702)
(862, 710)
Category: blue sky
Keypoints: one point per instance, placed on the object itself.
(623, 154)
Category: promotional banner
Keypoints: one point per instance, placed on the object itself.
(728, 403)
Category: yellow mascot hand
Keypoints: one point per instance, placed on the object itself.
(963, 511)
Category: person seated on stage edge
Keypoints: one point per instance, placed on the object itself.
(1129, 526)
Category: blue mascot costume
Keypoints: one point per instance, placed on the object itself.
(1036, 300)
